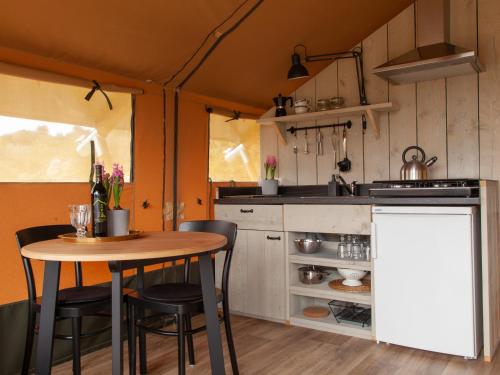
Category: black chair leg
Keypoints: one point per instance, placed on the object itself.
(181, 345)
(76, 332)
(132, 337)
(229, 337)
(142, 346)
(189, 327)
(30, 334)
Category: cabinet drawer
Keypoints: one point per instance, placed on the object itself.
(353, 219)
(260, 217)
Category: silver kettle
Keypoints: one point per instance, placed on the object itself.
(416, 169)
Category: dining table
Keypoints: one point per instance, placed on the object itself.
(150, 248)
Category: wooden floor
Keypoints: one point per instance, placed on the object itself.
(270, 348)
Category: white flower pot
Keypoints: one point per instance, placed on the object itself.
(118, 222)
(269, 187)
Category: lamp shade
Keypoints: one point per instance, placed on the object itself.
(297, 70)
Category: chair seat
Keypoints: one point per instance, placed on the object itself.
(84, 294)
(176, 292)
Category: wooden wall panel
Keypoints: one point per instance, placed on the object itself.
(462, 97)
(348, 89)
(376, 151)
(442, 116)
(403, 127)
(431, 120)
(307, 171)
(327, 87)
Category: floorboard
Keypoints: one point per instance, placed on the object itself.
(269, 348)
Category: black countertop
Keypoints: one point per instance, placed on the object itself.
(318, 194)
(438, 201)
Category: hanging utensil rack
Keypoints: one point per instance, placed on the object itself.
(347, 124)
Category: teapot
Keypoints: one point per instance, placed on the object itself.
(280, 103)
(416, 169)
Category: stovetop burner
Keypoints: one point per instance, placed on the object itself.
(427, 188)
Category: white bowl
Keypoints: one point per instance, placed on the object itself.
(352, 277)
(301, 109)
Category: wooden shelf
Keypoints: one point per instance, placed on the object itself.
(371, 111)
(324, 291)
(329, 259)
(329, 324)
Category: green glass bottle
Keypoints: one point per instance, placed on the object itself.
(98, 198)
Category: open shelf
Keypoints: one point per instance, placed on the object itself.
(324, 291)
(371, 111)
(328, 258)
(329, 324)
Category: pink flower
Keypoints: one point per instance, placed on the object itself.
(117, 174)
(271, 161)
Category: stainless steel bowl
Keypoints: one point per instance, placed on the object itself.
(312, 274)
(307, 246)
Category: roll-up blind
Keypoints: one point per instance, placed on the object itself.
(46, 129)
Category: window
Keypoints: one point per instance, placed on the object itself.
(46, 129)
(234, 149)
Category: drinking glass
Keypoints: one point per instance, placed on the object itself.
(79, 215)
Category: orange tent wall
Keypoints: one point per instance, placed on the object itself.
(25, 205)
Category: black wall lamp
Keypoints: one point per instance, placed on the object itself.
(297, 70)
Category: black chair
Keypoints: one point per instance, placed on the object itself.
(73, 303)
(180, 300)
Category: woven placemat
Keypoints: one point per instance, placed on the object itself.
(337, 284)
(316, 312)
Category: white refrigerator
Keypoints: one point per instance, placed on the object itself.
(426, 278)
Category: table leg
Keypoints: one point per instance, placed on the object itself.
(47, 317)
(211, 316)
(117, 321)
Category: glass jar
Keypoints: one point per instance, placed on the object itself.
(342, 248)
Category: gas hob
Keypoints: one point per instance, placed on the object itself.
(426, 188)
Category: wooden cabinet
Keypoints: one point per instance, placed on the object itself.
(352, 219)
(257, 275)
(252, 216)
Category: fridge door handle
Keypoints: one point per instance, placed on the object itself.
(374, 240)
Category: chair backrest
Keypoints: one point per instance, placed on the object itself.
(225, 228)
(42, 233)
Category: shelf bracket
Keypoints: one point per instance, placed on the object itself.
(280, 131)
(373, 122)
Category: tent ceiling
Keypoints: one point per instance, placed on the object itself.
(151, 39)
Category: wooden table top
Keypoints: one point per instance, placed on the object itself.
(150, 246)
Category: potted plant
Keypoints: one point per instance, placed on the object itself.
(270, 185)
(118, 217)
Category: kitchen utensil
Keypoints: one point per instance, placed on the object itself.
(351, 277)
(319, 143)
(79, 215)
(316, 312)
(344, 164)
(306, 144)
(307, 246)
(311, 274)
(416, 169)
(280, 103)
(336, 102)
(333, 141)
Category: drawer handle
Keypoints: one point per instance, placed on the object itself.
(250, 211)
(277, 238)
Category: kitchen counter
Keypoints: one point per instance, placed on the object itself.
(278, 200)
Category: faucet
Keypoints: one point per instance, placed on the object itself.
(351, 188)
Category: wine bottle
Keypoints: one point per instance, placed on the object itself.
(99, 197)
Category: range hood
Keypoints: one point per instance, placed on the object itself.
(435, 57)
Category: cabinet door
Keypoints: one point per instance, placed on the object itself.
(256, 276)
(237, 273)
(273, 267)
